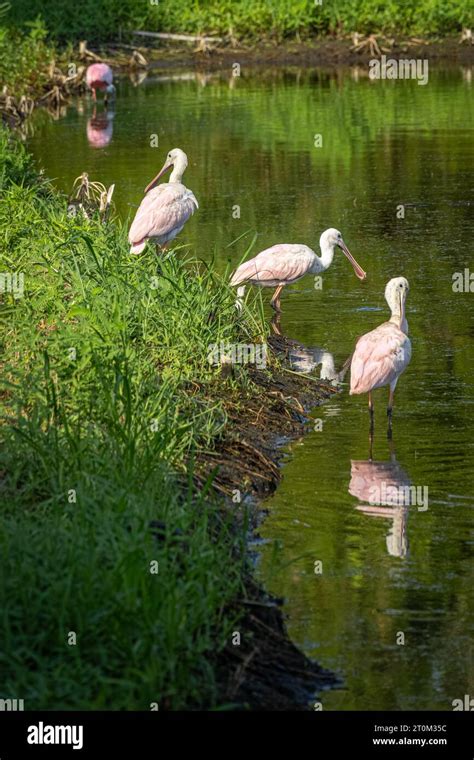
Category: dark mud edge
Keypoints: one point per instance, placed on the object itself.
(267, 671)
(323, 52)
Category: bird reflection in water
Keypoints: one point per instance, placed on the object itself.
(306, 359)
(384, 490)
(100, 128)
(137, 76)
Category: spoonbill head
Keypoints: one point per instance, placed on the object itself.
(109, 93)
(285, 263)
(165, 208)
(380, 356)
(328, 241)
(396, 292)
(178, 161)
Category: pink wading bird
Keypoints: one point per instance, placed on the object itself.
(286, 263)
(165, 209)
(381, 355)
(99, 76)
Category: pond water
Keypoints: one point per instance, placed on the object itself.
(389, 607)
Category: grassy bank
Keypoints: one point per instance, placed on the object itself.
(106, 393)
(101, 20)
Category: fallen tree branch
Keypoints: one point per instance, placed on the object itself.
(179, 37)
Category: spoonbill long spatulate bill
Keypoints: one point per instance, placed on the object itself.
(165, 209)
(380, 356)
(286, 263)
(99, 76)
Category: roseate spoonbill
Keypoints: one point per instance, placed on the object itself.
(286, 263)
(380, 356)
(165, 209)
(99, 76)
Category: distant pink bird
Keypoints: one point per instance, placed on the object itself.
(286, 263)
(381, 355)
(99, 76)
(165, 209)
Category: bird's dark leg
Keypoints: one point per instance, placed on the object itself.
(391, 446)
(160, 248)
(389, 413)
(276, 323)
(275, 302)
(341, 375)
(371, 428)
(371, 413)
(371, 443)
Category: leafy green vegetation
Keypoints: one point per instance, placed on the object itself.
(106, 392)
(25, 57)
(107, 19)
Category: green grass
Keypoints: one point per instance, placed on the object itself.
(100, 20)
(33, 33)
(106, 394)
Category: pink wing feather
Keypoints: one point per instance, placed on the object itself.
(99, 72)
(280, 263)
(162, 210)
(379, 357)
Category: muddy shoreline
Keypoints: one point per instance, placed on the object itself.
(326, 52)
(267, 671)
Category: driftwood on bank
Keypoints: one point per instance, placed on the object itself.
(179, 37)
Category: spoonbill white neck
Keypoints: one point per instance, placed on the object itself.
(180, 162)
(396, 292)
(327, 244)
